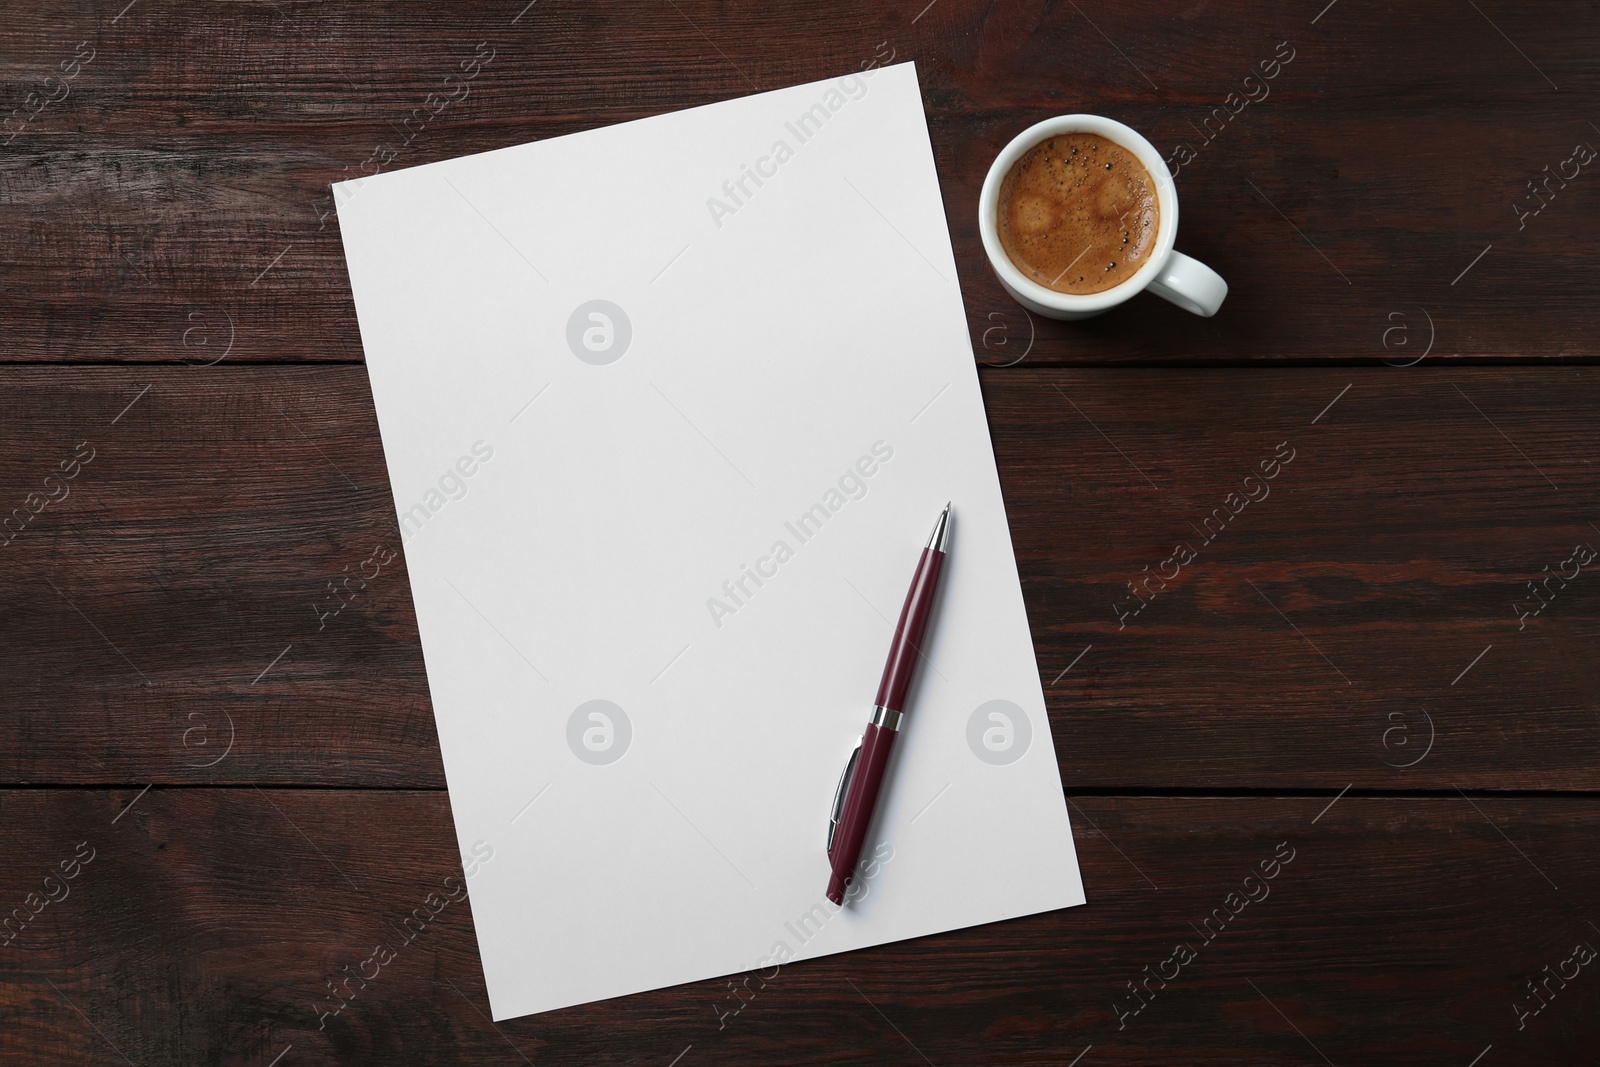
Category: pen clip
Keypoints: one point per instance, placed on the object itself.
(839, 793)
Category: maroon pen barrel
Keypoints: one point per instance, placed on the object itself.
(861, 794)
(859, 803)
(908, 633)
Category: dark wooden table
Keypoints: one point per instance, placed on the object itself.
(209, 809)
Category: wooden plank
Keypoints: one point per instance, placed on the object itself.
(208, 922)
(1325, 633)
(173, 206)
(167, 603)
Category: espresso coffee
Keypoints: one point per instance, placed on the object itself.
(1078, 213)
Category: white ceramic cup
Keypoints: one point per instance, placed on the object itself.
(1166, 272)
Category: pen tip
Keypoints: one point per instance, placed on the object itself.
(941, 530)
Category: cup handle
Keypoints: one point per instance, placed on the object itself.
(1190, 284)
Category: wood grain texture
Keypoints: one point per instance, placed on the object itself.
(148, 606)
(207, 923)
(1329, 630)
(178, 193)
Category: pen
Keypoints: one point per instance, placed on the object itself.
(857, 794)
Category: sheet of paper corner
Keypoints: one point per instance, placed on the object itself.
(579, 530)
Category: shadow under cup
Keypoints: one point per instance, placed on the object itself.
(1170, 274)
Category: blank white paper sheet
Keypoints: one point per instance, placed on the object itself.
(669, 410)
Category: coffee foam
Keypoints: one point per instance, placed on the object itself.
(1078, 213)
